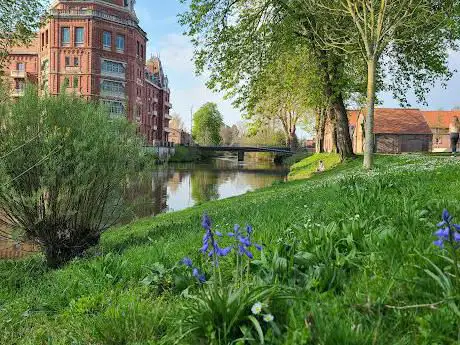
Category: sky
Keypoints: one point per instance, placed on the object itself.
(159, 19)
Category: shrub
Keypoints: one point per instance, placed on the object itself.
(64, 163)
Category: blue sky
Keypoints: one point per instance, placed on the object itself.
(159, 19)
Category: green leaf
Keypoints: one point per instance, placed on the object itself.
(256, 324)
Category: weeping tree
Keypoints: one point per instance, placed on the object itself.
(286, 93)
(236, 40)
(64, 164)
(408, 39)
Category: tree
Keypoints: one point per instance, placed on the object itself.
(413, 35)
(207, 122)
(286, 92)
(226, 133)
(236, 40)
(65, 164)
(19, 21)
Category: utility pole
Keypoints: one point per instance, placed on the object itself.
(191, 119)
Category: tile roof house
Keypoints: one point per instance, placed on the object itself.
(395, 131)
(439, 123)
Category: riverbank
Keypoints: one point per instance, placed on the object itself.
(359, 238)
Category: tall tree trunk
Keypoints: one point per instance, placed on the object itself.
(330, 68)
(369, 121)
(344, 142)
(333, 123)
(320, 129)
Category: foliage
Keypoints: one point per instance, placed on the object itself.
(19, 21)
(348, 243)
(286, 92)
(238, 42)
(308, 166)
(186, 154)
(65, 163)
(207, 122)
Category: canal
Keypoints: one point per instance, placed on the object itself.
(179, 186)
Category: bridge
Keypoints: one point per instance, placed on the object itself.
(241, 150)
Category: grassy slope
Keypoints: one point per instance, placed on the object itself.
(364, 231)
(306, 168)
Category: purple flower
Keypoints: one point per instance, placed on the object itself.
(443, 233)
(258, 247)
(225, 251)
(447, 231)
(219, 233)
(244, 251)
(206, 222)
(245, 241)
(439, 243)
(199, 276)
(446, 217)
(187, 262)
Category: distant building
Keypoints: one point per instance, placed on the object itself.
(96, 49)
(180, 137)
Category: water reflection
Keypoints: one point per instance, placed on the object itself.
(175, 187)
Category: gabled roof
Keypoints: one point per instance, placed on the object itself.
(395, 121)
(440, 118)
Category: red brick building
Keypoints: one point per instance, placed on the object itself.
(97, 49)
(395, 131)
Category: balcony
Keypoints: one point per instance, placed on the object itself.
(17, 93)
(113, 94)
(18, 74)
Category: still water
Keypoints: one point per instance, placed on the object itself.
(176, 187)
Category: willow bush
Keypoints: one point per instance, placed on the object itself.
(63, 163)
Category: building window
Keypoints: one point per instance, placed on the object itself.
(138, 48)
(79, 37)
(76, 61)
(75, 82)
(66, 82)
(67, 61)
(46, 37)
(142, 50)
(115, 108)
(107, 40)
(20, 66)
(65, 36)
(112, 67)
(120, 43)
(112, 87)
(19, 85)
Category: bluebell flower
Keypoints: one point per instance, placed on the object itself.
(249, 229)
(206, 222)
(199, 276)
(187, 262)
(218, 233)
(447, 231)
(258, 247)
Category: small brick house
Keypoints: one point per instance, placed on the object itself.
(395, 131)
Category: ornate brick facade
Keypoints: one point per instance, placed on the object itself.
(97, 49)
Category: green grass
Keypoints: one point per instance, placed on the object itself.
(307, 167)
(361, 236)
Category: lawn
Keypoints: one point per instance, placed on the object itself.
(350, 251)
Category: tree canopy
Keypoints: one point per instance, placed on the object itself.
(207, 122)
(19, 21)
